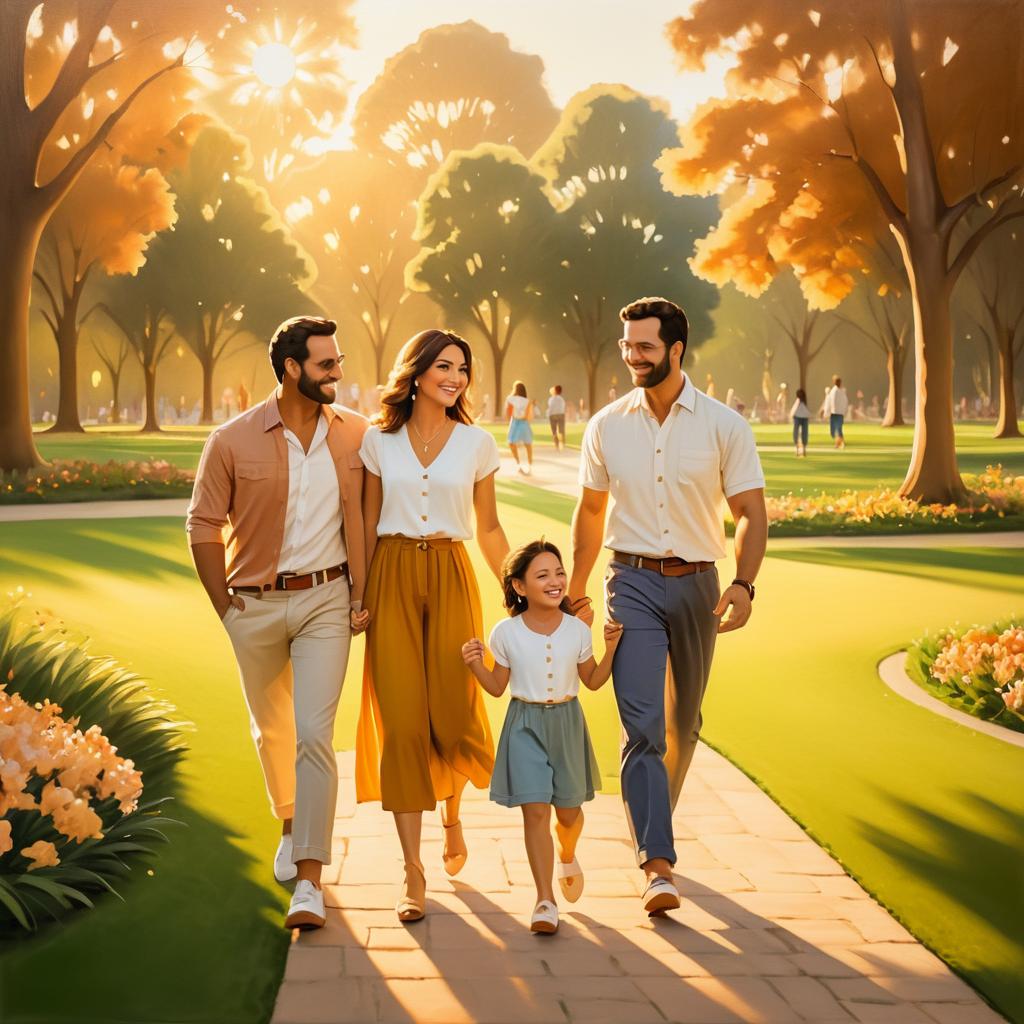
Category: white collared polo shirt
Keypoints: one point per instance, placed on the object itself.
(668, 481)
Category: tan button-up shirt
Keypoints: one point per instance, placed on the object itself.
(240, 497)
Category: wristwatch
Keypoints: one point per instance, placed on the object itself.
(747, 586)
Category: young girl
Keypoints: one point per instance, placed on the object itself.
(519, 410)
(800, 414)
(545, 757)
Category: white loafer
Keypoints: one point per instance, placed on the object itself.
(570, 879)
(284, 868)
(307, 907)
(545, 918)
(660, 895)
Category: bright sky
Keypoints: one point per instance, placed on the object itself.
(580, 41)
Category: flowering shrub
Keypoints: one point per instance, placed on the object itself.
(80, 480)
(71, 815)
(980, 670)
(992, 497)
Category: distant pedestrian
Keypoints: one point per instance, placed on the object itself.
(556, 416)
(836, 406)
(519, 410)
(801, 417)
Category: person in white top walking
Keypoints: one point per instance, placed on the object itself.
(801, 417)
(545, 758)
(556, 416)
(519, 410)
(836, 406)
(668, 455)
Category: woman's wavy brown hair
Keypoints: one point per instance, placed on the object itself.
(417, 356)
(514, 568)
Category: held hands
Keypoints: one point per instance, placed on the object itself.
(612, 634)
(736, 600)
(473, 650)
(359, 619)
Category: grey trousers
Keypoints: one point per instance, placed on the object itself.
(660, 672)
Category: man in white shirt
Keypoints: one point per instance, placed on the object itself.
(668, 455)
(837, 404)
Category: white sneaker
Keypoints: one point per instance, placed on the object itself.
(284, 867)
(545, 918)
(307, 907)
(660, 895)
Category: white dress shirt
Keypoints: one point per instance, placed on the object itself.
(668, 481)
(313, 537)
(556, 405)
(544, 668)
(431, 501)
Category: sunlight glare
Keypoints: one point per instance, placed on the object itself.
(274, 65)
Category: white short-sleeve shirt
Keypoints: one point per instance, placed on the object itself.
(431, 501)
(543, 668)
(668, 481)
(519, 406)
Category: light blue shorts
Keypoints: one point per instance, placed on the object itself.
(544, 756)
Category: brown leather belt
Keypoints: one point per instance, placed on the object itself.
(303, 582)
(666, 566)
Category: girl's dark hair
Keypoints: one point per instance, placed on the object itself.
(801, 394)
(519, 388)
(417, 356)
(514, 568)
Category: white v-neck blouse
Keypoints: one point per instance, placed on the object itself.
(431, 501)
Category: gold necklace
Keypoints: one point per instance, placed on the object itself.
(426, 444)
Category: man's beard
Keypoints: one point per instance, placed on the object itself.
(309, 387)
(658, 372)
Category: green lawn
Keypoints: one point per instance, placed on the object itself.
(927, 814)
(874, 456)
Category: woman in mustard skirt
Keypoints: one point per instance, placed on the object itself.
(423, 731)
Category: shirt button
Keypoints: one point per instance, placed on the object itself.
(424, 518)
(548, 646)
(551, 689)
(663, 531)
(424, 476)
(423, 493)
(661, 504)
(551, 675)
(548, 658)
(660, 478)
(657, 451)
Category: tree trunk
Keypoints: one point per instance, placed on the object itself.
(115, 401)
(802, 366)
(207, 365)
(933, 475)
(592, 365)
(894, 402)
(20, 232)
(1007, 424)
(68, 420)
(152, 424)
(499, 360)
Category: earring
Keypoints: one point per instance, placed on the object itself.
(414, 391)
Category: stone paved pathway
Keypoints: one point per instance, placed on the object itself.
(771, 929)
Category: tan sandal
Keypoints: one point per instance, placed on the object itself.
(412, 905)
(455, 853)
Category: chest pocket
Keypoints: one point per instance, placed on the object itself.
(698, 469)
(255, 470)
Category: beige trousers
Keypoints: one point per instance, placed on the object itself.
(292, 650)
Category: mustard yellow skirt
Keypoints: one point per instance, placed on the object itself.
(422, 717)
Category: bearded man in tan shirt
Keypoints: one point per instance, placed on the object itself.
(276, 531)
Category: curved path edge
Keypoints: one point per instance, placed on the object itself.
(894, 675)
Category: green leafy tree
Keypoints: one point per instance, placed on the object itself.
(620, 235)
(230, 266)
(487, 231)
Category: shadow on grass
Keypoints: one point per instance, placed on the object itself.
(1004, 568)
(977, 869)
(197, 940)
(125, 548)
(535, 499)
